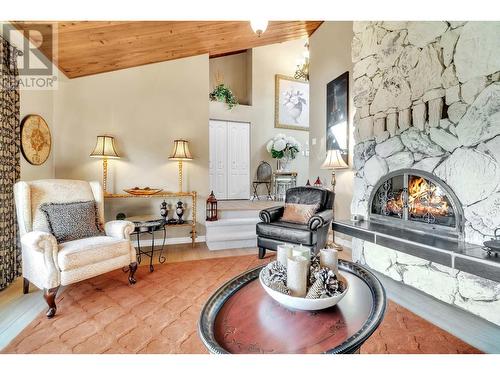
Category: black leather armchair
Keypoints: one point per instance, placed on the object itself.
(272, 231)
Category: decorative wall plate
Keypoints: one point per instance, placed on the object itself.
(36, 141)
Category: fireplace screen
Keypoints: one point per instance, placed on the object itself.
(415, 198)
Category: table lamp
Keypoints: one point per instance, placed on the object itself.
(105, 149)
(334, 161)
(180, 153)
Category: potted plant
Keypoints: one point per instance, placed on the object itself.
(222, 93)
(284, 149)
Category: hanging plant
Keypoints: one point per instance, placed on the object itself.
(221, 93)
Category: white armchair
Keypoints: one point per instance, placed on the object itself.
(48, 264)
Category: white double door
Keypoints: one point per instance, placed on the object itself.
(229, 160)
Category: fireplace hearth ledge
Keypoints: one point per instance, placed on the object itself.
(457, 255)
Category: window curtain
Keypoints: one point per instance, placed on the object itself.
(10, 253)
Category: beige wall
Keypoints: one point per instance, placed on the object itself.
(330, 51)
(145, 109)
(266, 62)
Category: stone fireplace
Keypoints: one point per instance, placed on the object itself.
(416, 200)
(427, 153)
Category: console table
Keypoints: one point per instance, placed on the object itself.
(240, 317)
(190, 195)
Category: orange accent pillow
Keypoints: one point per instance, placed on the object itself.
(299, 213)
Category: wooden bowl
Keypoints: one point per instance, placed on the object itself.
(148, 191)
(300, 303)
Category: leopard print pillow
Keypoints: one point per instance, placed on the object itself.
(72, 221)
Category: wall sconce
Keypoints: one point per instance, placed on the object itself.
(302, 71)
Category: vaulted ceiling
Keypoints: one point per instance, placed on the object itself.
(91, 47)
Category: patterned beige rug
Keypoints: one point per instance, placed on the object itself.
(160, 313)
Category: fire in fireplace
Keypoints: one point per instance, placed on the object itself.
(416, 200)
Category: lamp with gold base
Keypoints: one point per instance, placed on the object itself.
(334, 161)
(180, 152)
(105, 149)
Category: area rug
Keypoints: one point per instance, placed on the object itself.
(159, 314)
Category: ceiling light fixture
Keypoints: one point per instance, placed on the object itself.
(258, 26)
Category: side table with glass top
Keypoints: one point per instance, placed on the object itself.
(149, 224)
(282, 181)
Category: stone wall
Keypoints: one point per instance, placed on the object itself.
(427, 96)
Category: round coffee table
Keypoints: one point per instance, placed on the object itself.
(241, 318)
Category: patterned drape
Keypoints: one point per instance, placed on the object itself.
(10, 253)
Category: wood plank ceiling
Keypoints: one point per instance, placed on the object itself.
(92, 47)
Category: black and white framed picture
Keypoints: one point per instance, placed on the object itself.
(337, 115)
(291, 103)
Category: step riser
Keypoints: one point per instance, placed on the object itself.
(228, 230)
(230, 214)
(235, 244)
(231, 222)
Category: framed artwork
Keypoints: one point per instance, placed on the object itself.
(36, 141)
(291, 103)
(337, 115)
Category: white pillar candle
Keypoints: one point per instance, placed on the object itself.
(296, 279)
(329, 258)
(302, 251)
(283, 253)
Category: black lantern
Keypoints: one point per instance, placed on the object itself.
(211, 207)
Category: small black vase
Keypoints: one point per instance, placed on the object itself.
(164, 210)
(179, 210)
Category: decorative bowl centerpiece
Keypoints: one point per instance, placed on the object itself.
(316, 298)
(142, 191)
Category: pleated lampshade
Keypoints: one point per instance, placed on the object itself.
(105, 148)
(181, 150)
(334, 160)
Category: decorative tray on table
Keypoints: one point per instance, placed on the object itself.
(142, 191)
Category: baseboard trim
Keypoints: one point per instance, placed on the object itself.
(168, 241)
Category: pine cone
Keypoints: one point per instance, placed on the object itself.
(314, 269)
(279, 286)
(329, 281)
(316, 290)
(274, 272)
